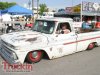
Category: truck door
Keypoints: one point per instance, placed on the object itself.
(65, 39)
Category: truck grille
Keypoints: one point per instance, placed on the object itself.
(6, 50)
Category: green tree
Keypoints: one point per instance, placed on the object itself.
(4, 5)
(43, 8)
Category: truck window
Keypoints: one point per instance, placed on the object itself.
(44, 26)
(63, 28)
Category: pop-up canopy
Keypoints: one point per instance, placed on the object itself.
(16, 9)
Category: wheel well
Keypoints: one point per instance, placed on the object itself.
(45, 55)
(95, 44)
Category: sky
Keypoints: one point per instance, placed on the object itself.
(52, 3)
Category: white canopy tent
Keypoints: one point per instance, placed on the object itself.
(6, 17)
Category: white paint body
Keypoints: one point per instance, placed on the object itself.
(55, 45)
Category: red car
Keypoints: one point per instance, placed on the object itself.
(29, 25)
(97, 25)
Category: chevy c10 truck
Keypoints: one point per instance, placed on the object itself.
(47, 38)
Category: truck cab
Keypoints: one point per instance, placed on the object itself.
(58, 42)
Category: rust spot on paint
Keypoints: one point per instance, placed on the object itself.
(32, 39)
(51, 49)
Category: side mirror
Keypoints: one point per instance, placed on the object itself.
(57, 34)
(62, 32)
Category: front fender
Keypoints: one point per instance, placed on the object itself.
(22, 55)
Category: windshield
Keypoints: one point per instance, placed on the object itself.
(44, 26)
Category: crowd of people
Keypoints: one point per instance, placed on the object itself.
(21, 23)
(88, 25)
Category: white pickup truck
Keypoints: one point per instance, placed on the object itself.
(46, 37)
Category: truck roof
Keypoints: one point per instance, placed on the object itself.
(61, 19)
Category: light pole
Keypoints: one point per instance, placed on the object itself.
(81, 11)
(29, 3)
(37, 8)
(96, 7)
(33, 8)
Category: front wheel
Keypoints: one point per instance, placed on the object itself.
(34, 56)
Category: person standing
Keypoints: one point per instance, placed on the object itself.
(9, 28)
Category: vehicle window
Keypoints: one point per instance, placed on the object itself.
(44, 26)
(63, 28)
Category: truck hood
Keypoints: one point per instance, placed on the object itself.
(24, 38)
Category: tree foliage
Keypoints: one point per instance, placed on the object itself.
(4, 5)
(43, 8)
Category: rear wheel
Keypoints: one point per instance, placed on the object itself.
(91, 46)
(34, 56)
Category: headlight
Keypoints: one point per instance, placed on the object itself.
(14, 56)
